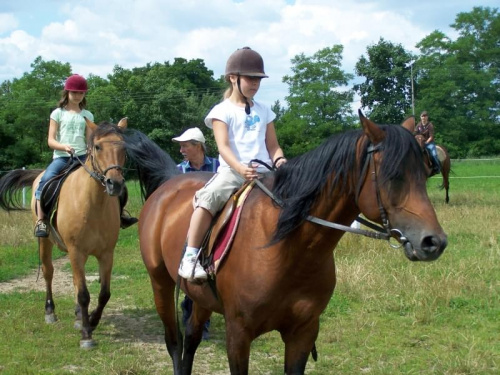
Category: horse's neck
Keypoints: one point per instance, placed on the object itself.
(336, 208)
(88, 185)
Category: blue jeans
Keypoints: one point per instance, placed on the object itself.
(431, 149)
(187, 309)
(54, 168)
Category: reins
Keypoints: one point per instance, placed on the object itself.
(380, 233)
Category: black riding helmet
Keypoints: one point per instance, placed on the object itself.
(245, 62)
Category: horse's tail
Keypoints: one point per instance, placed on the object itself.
(11, 183)
(154, 165)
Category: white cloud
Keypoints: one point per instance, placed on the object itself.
(94, 35)
(7, 22)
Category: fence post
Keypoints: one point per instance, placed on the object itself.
(24, 193)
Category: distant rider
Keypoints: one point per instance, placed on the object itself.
(426, 128)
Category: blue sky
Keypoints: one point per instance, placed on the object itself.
(95, 35)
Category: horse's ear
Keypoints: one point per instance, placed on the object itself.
(409, 124)
(90, 124)
(122, 124)
(372, 131)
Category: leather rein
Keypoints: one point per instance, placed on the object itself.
(381, 233)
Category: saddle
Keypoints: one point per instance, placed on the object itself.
(50, 191)
(220, 236)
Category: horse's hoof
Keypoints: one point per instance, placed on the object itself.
(88, 344)
(78, 325)
(50, 318)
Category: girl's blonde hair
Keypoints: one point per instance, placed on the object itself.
(228, 92)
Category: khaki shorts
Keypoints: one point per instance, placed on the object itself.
(216, 192)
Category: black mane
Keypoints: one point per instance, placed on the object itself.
(300, 182)
(154, 165)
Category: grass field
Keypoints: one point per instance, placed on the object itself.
(387, 315)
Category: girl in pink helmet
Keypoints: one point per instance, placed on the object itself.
(243, 130)
(68, 137)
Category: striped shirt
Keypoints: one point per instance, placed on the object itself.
(209, 165)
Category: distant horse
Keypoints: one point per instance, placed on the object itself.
(443, 156)
(87, 220)
(280, 272)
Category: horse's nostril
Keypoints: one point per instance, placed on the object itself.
(114, 187)
(434, 244)
(431, 243)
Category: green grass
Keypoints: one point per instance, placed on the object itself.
(387, 315)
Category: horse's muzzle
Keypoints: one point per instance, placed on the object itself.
(431, 247)
(114, 187)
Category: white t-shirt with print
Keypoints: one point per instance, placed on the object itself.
(247, 133)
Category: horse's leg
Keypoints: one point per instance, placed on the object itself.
(238, 343)
(193, 335)
(446, 176)
(105, 267)
(82, 296)
(298, 345)
(48, 274)
(163, 291)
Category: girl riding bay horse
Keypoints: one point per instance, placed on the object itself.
(280, 272)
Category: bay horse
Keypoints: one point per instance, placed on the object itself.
(87, 220)
(443, 156)
(280, 272)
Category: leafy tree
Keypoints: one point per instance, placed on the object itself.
(386, 90)
(25, 110)
(162, 100)
(318, 103)
(459, 82)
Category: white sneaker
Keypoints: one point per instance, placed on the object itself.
(186, 267)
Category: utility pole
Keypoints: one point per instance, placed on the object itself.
(412, 95)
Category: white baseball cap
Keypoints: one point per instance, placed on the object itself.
(192, 134)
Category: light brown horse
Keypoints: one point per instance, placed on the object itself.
(443, 156)
(280, 272)
(87, 220)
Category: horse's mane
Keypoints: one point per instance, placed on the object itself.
(153, 164)
(300, 182)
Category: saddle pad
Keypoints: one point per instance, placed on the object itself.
(225, 239)
(50, 192)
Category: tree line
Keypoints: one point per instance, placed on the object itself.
(456, 80)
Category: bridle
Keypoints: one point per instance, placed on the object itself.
(97, 173)
(382, 233)
(386, 231)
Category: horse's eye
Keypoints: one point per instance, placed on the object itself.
(97, 148)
